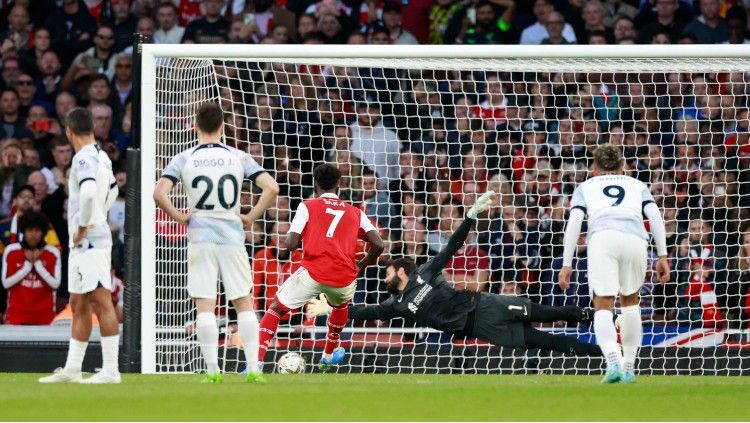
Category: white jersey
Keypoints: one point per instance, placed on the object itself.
(613, 202)
(91, 165)
(212, 175)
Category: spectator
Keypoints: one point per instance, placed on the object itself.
(555, 23)
(98, 59)
(375, 145)
(19, 29)
(330, 28)
(212, 28)
(594, 13)
(11, 71)
(413, 240)
(41, 189)
(737, 31)
(123, 23)
(64, 102)
(170, 31)
(98, 92)
(666, 22)
(112, 141)
(12, 123)
(31, 56)
(116, 214)
(449, 216)
(306, 24)
(537, 32)
(440, 16)
(31, 274)
(376, 203)
(577, 294)
(708, 27)
(380, 36)
(31, 159)
(146, 27)
(392, 22)
(469, 268)
(25, 201)
(26, 90)
(42, 130)
(72, 28)
(13, 173)
(123, 80)
(48, 84)
(62, 153)
(272, 265)
(487, 27)
(622, 29)
(616, 9)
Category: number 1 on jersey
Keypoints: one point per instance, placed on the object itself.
(337, 215)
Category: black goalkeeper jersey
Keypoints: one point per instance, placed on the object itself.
(428, 299)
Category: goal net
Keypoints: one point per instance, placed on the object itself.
(418, 133)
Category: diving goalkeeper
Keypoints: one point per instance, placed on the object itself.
(423, 296)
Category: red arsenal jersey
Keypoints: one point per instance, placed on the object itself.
(330, 229)
(31, 287)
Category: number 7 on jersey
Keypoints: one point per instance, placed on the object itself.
(337, 215)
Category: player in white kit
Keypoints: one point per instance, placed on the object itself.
(212, 175)
(615, 205)
(92, 191)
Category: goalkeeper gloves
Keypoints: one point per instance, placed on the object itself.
(482, 204)
(318, 307)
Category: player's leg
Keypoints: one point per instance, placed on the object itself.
(101, 301)
(534, 338)
(339, 299)
(238, 283)
(603, 271)
(632, 273)
(544, 314)
(292, 294)
(203, 274)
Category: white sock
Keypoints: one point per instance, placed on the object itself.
(631, 333)
(247, 326)
(110, 349)
(606, 337)
(208, 338)
(76, 352)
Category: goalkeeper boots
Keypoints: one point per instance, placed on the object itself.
(61, 375)
(628, 377)
(613, 375)
(336, 357)
(214, 378)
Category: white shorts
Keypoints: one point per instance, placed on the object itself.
(616, 263)
(207, 262)
(300, 288)
(88, 269)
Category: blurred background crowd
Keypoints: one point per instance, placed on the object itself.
(415, 146)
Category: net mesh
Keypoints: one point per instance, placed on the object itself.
(418, 140)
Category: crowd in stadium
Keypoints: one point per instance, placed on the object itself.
(413, 150)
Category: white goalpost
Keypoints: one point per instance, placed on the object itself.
(418, 132)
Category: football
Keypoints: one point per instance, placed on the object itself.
(291, 362)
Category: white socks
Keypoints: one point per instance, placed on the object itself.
(208, 338)
(110, 349)
(247, 327)
(76, 352)
(606, 337)
(631, 333)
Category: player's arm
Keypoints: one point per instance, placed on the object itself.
(319, 306)
(656, 223)
(294, 236)
(572, 231)
(164, 186)
(111, 194)
(86, 169)
(270, 189)
(435, 265)
(373, 237)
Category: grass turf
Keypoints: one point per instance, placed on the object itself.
(321, 397)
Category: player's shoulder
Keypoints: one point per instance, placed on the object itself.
(89, 152)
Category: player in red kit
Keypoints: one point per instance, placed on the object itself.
(328, 229)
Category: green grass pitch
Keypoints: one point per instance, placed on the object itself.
(321, 397)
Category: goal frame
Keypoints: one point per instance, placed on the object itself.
(147, 128)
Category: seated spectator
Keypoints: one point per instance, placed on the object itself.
(122, 83)
(596, 37)
(449, 215)
(211, 28)
(307, 24)
(31, 274)
(708, 27)
(25, 201)
(13, 174)
(473, 169)
(469, 268)
(104, 132)
(12, 122)
(534, 34)
(26, 90)
(10, 71)
(737, 31)
(665, 21)
(64, 103)
(413, 241)
(555, 24)
(123, 23)
(594, 14)
(72, 28)
(48, 83)
(487, 27)
(170, 31)
(98, 59)
(331, 29)
(392, 22)
(31, 55)
(441, 13)
(116, 213)
(623, 29)
(492, 108)
(19, 28)
(31, 159)
(577, 294)
(376, 203)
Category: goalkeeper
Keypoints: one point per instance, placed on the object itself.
(423, 296)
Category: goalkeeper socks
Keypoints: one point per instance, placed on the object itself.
(336, 322)
(606, 337)
(76, 352)
(110, 348)
(631, 333)
(208, 338)
(268, 326)
(247, 326)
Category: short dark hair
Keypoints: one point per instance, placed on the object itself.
(33, 219)
(79, 121)
(405, 263)
(326, 176)
(59, 141)
(23, 188)
(209, 117)
(608, 158)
